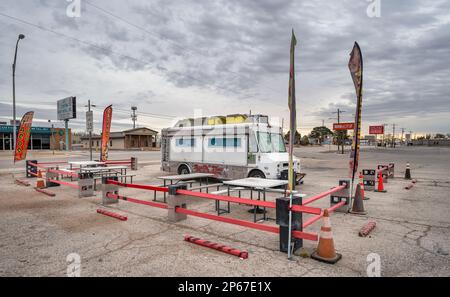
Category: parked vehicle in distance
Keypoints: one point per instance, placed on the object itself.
(230, 147)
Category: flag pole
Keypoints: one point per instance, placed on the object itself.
(292, 130)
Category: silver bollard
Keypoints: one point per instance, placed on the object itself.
(109, 188)
(85, 185)
(175, 200)
(342, 195)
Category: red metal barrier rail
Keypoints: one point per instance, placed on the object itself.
(267, 204)
(272, 229)
(316, 218)
(324, 194)
(64, 183)
(216, 246)
(56, 162)
(32, 173)
(138, 186)
(112, 214)
(118, 162)
(134, 200)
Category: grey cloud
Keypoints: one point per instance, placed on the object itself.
(240, 49)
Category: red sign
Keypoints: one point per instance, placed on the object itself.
(343, 126)
(376, 129)
(107, 118)
(23, 137)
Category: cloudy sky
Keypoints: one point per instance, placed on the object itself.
(174, 58)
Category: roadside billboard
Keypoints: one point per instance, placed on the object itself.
(67, 108)
(376, 129)
(343, 126)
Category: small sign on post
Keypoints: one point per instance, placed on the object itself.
(89, 121)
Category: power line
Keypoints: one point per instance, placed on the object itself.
(112, 51)
(173, 43)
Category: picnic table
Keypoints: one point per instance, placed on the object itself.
(82, 164)
(175, 179)
(107, 171)
(262, 186)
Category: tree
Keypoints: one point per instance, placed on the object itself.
(304, 140)
(439, 136)
(297, 137)
(320, 133)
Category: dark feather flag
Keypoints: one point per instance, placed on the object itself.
(293, 116)
(355, 65)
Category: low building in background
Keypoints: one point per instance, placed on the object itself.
(138, 138)
(41, 138)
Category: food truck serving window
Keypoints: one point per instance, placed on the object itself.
(224, 142)
(185, 142)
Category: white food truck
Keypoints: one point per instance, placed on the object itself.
(230, 147)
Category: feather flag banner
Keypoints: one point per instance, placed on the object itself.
(355, 65)
(106, 128)
(293, 114)
(23, 136)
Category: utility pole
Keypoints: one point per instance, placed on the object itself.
(393, 135)
(89, 125)
(384, 132)
(21, 36)
(403, 131)
(323, 123)
(53, 136)
(340, 134)
(133, 116)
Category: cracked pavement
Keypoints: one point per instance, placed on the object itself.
(412, 235)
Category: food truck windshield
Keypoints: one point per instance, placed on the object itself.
(271, 142)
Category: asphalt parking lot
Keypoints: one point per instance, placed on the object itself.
(412, 237)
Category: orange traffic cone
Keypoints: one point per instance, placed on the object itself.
(325, 251)
(380, 183)
(40, 183)
(358, 205)
(361, 183)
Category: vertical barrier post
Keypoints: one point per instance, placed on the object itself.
(391, 170)
(108, 188)
(282, 219)
(175, 200)
(341, 195)
(85, 184)
(134, 163)
(384, 171)
(51, 176)
(369, 178)
(30, 168)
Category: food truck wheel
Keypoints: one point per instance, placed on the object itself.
(257, 173)
(183, 169)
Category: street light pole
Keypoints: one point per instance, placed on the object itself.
(21, 36)
(53, 137)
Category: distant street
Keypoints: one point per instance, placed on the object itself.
(47, 156)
